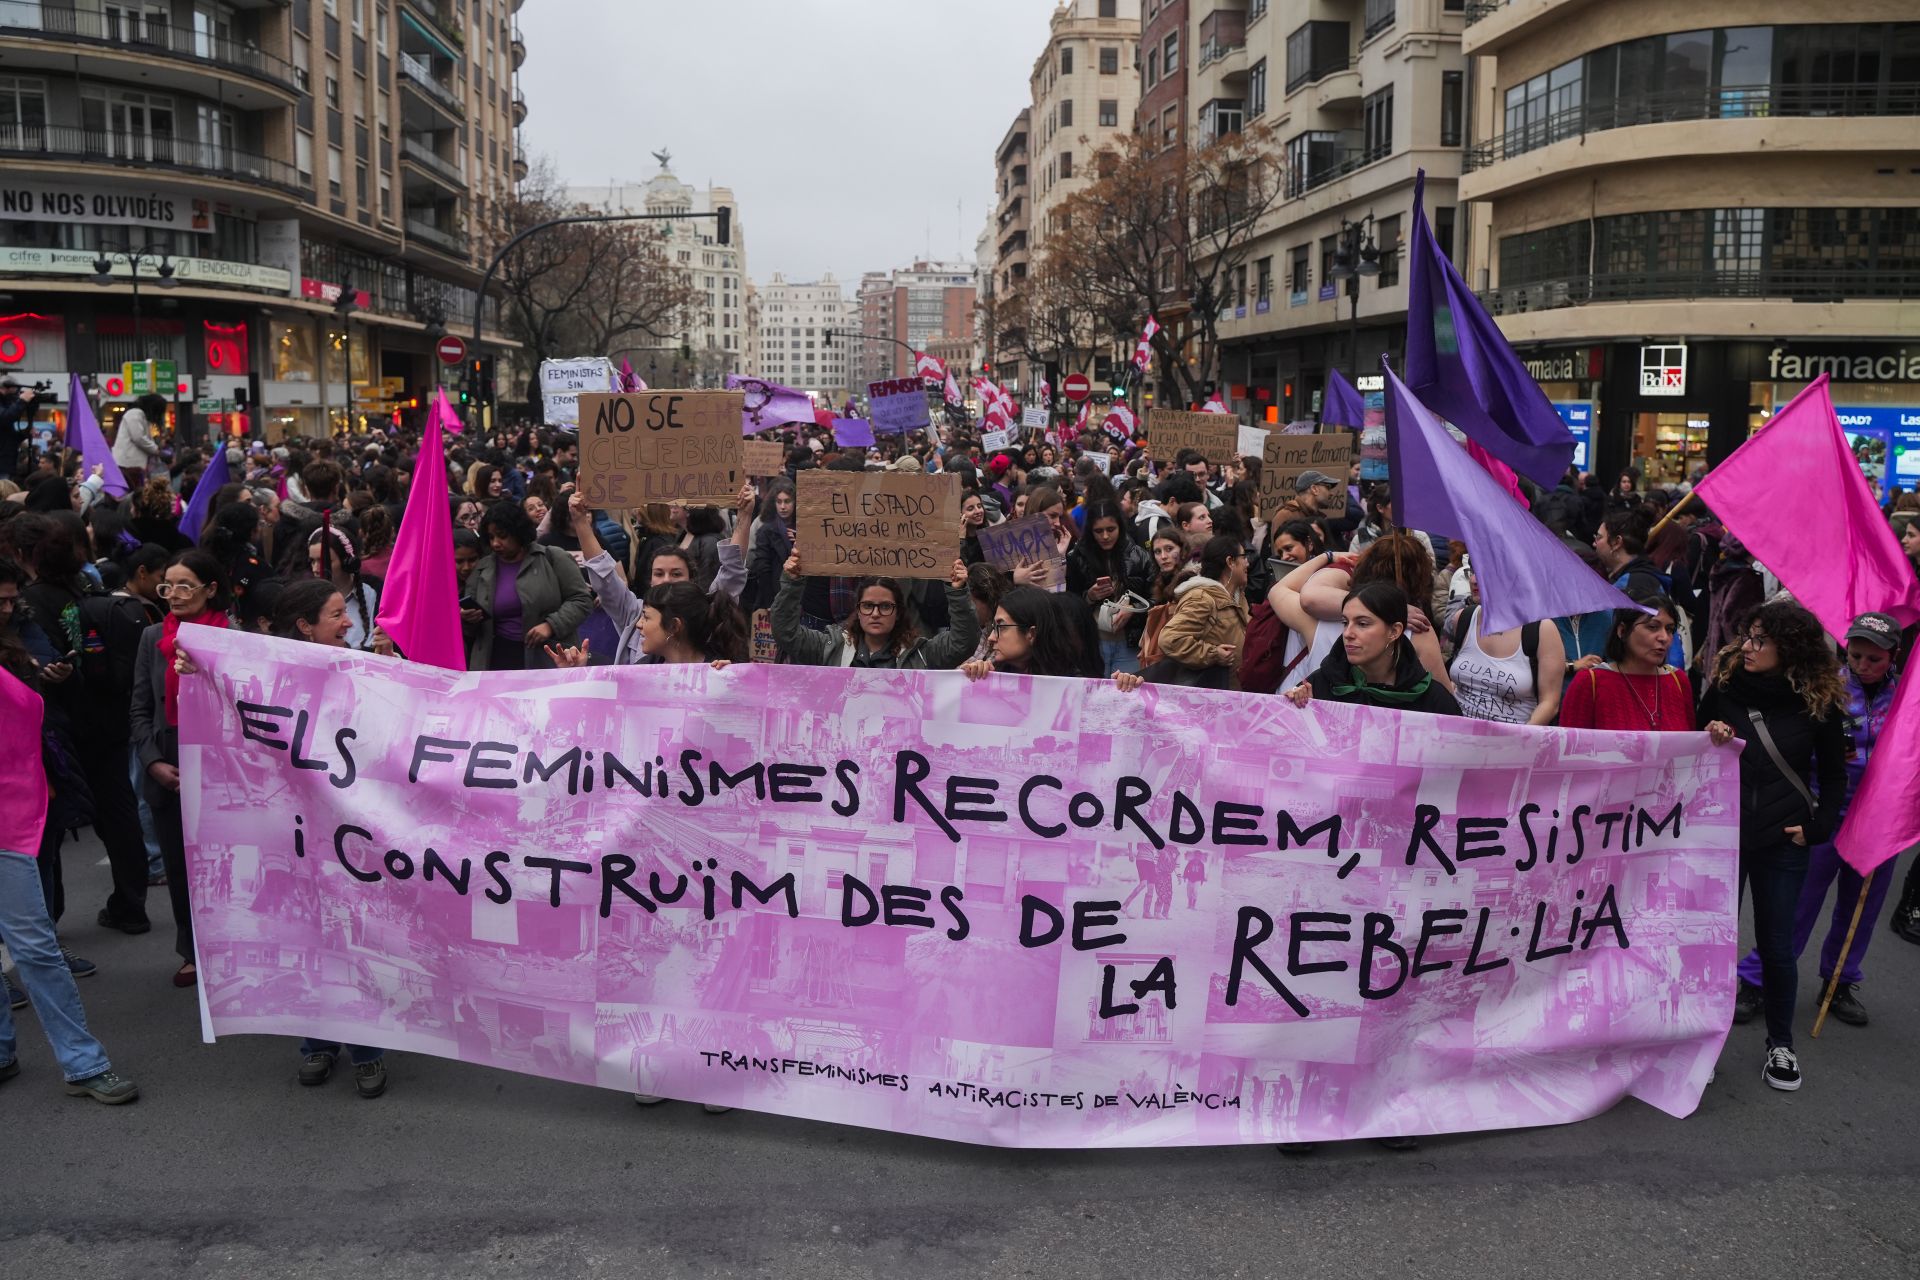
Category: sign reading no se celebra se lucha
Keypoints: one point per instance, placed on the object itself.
(908, 901)
(660, 446)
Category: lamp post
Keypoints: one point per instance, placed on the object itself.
(1356, 256)
(347, 304)
(103, 275)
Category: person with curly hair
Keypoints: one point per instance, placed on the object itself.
(1778, 690)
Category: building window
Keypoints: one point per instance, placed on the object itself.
(1153, 67)
(1109, 8)
(1452, 107)
(1257, 89)
(1315, 50)
(1066, 164)
(334, 162)
(1109, 112)
(1387, 236)
(333, 89)
(1064, 112)
(1379, 17)
(23, 111)
(360, 185)
(1443, 232)
(1109, 61)
(1301, 275)
(1170, 53)
(1377, 125)
(1263, 279)
(303, 153)
(1066, 60)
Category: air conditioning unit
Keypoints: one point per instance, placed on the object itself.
(1559, 294)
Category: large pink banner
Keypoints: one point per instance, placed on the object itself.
(1027, 912)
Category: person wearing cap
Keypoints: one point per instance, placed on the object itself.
(1311, 501)
(1869, 679)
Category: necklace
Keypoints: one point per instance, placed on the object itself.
(1653, 716)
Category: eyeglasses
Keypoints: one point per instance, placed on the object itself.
(878, 608)
(1755, 642)
(167, 590)
(997, 627)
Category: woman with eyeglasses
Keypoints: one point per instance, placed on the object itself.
(1201, 641)
(1633, 689)
(1042, 633)
(195, 593)
(880, 632)
(1778, 690)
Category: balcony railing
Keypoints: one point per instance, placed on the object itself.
(1478, 9)
(1798, 101)
(127, 31)
(451, 241)
(1801, 285)
(1214, 50)
(1318, 72)
(160, 151)
(421, 153)
(443, 17)
(421, 74)
(1330, 159)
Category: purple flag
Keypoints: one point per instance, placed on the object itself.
(1460, 366)
(83, 432)
(1341, 406)
(211, 481)
(1526, 574)
(629, 380)
(851, 433)
(768, 404)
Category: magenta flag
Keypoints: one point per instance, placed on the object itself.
(1502, 473)
(1349, 948)
(629, 380)
(1795, 496)
(420, 604)
(23, 806)
(84, 434)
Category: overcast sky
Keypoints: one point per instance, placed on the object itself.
(846, 128)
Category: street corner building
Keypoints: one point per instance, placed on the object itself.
(280, 205)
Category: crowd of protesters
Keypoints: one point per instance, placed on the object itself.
(1165, 571)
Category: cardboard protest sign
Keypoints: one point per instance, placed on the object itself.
(660, 446)
(851, 523)
(763, 457)
(1215, 435)
(897, 406)
(1028, 540)
(891, 898)
(1253, 442)
(563, 381)
(1287, 456)
(853, 433)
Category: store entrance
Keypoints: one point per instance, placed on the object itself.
(1668, 447)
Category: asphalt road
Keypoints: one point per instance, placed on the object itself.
(228, 1168)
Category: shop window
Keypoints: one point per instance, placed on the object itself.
(293, 353)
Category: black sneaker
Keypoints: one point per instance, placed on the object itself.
(1907, 924)
(9, 1069)
(16, 998)
(109, 1087)
(316, 1068)
(370, 1078)
(1782, 1070)
(1846, 1005)
(107, 920)
(1746, 1004)
(1296, 1148)
(1404, 1142)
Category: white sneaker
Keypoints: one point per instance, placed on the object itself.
(648, 1099)
(1782, 1070)
(714, 1108)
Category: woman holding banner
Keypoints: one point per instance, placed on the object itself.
(1778, 690)
(1201, 641)
(1633, 689)
(1375, 665)
(880, 633)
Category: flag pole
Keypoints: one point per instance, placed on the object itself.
(1666, 519)
(1833, 981)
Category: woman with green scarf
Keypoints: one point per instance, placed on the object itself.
(1374, 664)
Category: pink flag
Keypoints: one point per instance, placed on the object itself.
(420, 603)
(1795, 496)
(1143, 353)
(629, 380)
(953, 390)
(1215, 404)
(23, 806)
(1884, 817)
(85, 436)
(1500, 471)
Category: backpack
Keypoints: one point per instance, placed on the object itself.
(1529, 641)
(1262, 669)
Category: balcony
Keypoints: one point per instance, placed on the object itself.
(520, 166)
(446, 21)
(447, 241)
(151, 151)
(1491, 25)
(1765, 106)
(1230, 57)
(420, 76)
(1316, 159)
(518, 48)
(124, 33)
(519, 108)
(416, 151)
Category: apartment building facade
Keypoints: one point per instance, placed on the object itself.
(282, 201)
(795, 350)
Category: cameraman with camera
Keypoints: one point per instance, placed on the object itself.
(16, 423)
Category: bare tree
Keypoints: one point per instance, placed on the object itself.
(587, 288)
(1165, 234)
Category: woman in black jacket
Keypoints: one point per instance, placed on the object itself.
(1104, 568)
(1778, 690)
(772, 544)
(1375, 665)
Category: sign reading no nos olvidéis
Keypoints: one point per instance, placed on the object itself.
(897, 406)
(660, 446)
(851, 523)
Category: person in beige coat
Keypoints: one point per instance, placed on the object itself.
(1203, 636)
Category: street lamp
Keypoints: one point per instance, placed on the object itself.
(347, 304)
(1355, 256)
(103, 275)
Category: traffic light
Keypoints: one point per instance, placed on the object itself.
(726, 225)
(479, 388)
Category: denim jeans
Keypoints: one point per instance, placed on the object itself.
(137, 777)
(1117, 655)
(1823, 868)
(356, 1054)
(1773, 874)
(28, 932)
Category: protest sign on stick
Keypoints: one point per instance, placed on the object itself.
(660, 446)
(897, 406)
(1215, 435)
(763, 458)
(563, 381)
(851, 523)
(1028, 540)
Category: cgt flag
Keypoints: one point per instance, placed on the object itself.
(1526, 574)
(1143, 350)
(930, 368)
(1460, 366)
(1119, 424)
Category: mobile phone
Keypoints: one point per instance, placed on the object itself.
(71, 657)
(468, 602)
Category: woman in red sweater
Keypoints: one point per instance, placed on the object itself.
(1634, 689)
